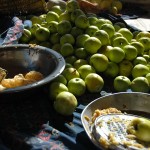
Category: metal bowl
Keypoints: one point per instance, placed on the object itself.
(22, 58)
(135, 103)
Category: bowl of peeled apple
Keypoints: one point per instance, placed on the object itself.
(25, 67)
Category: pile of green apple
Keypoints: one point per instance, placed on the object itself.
(93, 48)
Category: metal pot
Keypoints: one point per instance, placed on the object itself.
(22, 58)
(135, 103)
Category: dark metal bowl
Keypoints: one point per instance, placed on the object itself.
(22, 58)
(135, 103)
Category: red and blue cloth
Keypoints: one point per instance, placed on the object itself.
(14, 33)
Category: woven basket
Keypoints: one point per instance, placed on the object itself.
(22, 7)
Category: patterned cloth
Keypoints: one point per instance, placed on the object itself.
(14, 33)
(29, 122)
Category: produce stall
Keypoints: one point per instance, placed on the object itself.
(53, 111)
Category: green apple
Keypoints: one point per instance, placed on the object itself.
(79, 62)
(117, 27)
(55, 88)
(121, 83)
(140, 70)
(65, 103)
(140, 127)
(120, 24)
(54, 38)
(42, 34)
(77, 86)
(146, 43)
(99, 62)
(57, 9)
(68, 65)
(108, 21)
(92, 45)
(94, 82)
(26, 36)
(133, 40)
(102, 36)
(139, 60)
(80, 40)
(75, 31)
(119, 42)
(92, 20)
(139, 46)
(84, 70)
(116, 54)
(140, 84)
(72, 5)
(75, 14)
(56, 47)
(142, 34)
(125, 68)
(148, 65)
(91, 30)
(135, 33)
(130, 52)
(45, 24)
(81, 53)
(112, 70)
(61, 79)
(126, 33)
(70, 73)
(64, 27)
(67, 38)
(118, 4)
(113, 10)
(34, 41)
(147, 57)
(52, 16)
(82, 22)
(65, 16)
(109, 28)
(70, 59)
(36, 20)
(52, 26)
(66, 49)
(43, 17)
(116, 34)
(46, 44)
(148, 77)
(100, 22)
(51, 3)
(105, 49)
(34, 28)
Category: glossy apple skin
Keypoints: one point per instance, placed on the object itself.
(42, 34)
(140, 127)
(26, 36)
